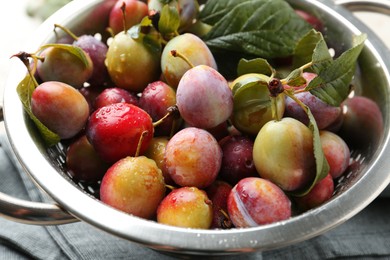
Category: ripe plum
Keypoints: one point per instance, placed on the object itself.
(156, 152)
(60, 107)
(336, 152)
(237, 159)
(190, 46)
(204, 98)
(61, 65)
(83, 163)
(218, 193)
(97, 51)
(116, 130)
(134, 185)
(324, 114)
(156, 98)
(362, 123)
(186, 207)
(134, 12)
(319, 194)
(115, 95)
(193, 157)
(255, 201)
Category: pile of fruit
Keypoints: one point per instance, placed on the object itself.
(214, 114)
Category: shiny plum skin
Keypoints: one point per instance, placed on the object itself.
(60, 107)
(204, 98)
(318, 195)
(362, 122)
(134, 185)
(237, 159)
(324, 114)
(131, 64)
(187, 207)
(336, 152)
(218, 192)
(83, 163)
(114, 95)
(115, 131)
(61, 65)
(283, 153)
(97, 51)
(134, 12)
(255, 201)
(156, 98)
(190, 46)
(156, 152)
(193, 158)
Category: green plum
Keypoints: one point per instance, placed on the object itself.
(131, 64)
(252, 103)
(283, 153)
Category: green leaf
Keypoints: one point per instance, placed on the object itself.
(295, 78)
(146, 33)
(138, 31)
(251, 83)
(74, 50)
(265, 28)
(322, 165)
(258, 65)
(169, 22)
(332, 84)
(311, 48)
(213, 11)
(25, 89)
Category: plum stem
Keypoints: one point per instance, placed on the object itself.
(110, 31)
(175, 53)
(227, 223)
(274, 108)
(66, 30)
(170, 187)
(301, 69)
(306, 66)
(24, 57)
(275, 87)
(299, 102)
(123, 8)
(141, 139)
(173, 110)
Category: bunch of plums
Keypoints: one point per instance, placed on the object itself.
(163, 137)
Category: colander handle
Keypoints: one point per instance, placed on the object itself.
(30, 212)
(52, 214)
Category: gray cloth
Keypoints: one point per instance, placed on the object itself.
(365, 236)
